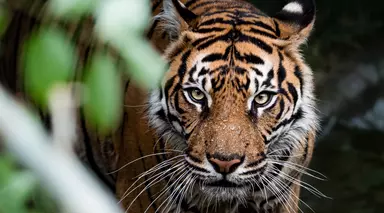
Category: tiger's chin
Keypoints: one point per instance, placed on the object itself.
(224, 191)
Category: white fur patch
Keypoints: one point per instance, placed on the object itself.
(294, 7)
(177, 126)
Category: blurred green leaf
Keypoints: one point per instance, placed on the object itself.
(72, 9)
(42, 201)
(49, 58)
(103, 92)
(117, 20)
(6, 166)
(145, 65)
(15, 187)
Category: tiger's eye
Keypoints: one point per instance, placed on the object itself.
(196, 95)
(263, 99)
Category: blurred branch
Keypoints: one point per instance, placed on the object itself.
(60, 171)
(63, 105)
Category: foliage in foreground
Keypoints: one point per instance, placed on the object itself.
(49, 58)
(20, 191)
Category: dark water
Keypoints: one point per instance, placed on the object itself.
(353, 161)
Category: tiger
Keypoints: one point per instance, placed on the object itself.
(232, 126)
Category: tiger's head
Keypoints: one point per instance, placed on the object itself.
(237, 101)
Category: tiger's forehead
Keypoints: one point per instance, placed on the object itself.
(233, 48)
(238, 18)
(241, 65)
(214, 72)
(230, 16)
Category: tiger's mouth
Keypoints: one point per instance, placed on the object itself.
(223, 190)
(224, 184)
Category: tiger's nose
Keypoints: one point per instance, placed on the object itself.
(224, 165)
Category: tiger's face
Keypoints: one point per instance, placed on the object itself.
(236, 102)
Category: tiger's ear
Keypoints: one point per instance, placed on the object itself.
(176, 18)
(296, 20)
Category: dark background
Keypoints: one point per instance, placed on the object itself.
(346, 54)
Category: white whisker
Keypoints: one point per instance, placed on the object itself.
(154, 179)
(137, 159)
(183, 174)
(150, 185)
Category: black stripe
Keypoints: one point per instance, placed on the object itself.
(215, 21)
(294, 94)
(203, 71)
(248, 58)
(282, 108)
(213, 57)
(161, 115)
(253, 30)
(206, 3)
(231, 8)
(203, 82)
(183, 67)
(175, 89)
(285, 122)
(217, 83)
(281, 74)
(191, 72)
(255, 163)
(247, 83)
(218, 11)
(201, 40)
(254, 172)
(210, 30)
(265, 26)
(270, 76)
(244, 13)
(209, 42)
(299, 75)
(272, 106)
(168, 86)
(258, 72)
(261, 44)
(173, 118)
(177, 105)
(189, 3)
(198, 168)
(285, 93)
(277, 28)
(240, 70)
